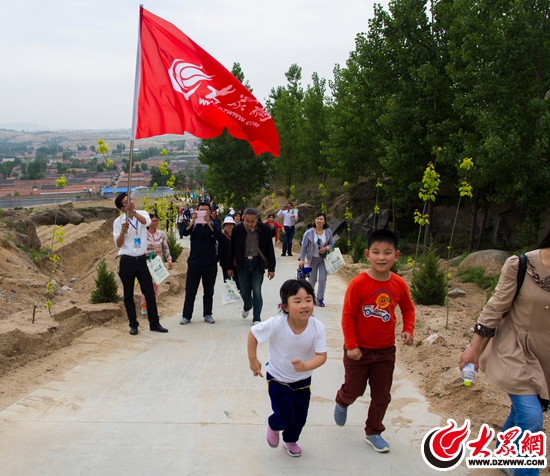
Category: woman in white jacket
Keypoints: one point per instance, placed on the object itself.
(315, 244)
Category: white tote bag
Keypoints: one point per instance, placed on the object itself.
(230, 292)
(334, 261)
(158, 272)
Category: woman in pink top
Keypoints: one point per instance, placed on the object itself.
(158, 244)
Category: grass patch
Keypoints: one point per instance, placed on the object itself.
(477, 276)
(36, 256)
(459, 260)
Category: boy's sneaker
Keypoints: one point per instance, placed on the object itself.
(321, 303)
(272, 437)
(340, 414)
(185, 320)
(244, 314)
(378, 443)
(209, 319)
(292, 449)
(144, 310)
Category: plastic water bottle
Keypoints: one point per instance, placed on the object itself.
(468, 374)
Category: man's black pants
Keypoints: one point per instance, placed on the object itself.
(131, 268)
(196, 272)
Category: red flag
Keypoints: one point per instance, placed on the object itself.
(180, 87)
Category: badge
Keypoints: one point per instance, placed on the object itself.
(137, 242)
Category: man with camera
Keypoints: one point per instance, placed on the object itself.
(202, 263)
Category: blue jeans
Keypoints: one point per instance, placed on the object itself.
(525, 412)
(318, 266)
(251, 278)
(287, 239)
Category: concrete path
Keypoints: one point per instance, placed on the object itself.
(186, 403)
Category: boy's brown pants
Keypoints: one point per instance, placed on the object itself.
(375, 367)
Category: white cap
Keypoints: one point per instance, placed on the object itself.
(229, 220)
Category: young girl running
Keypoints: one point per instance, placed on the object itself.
(297, 346)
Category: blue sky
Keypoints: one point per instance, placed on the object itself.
(71, 64)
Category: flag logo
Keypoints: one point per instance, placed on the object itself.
(187, 77)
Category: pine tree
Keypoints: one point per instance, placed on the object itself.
(173, 245)
(106, 287)
(429, 284)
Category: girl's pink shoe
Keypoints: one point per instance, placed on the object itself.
(292, 449)
(272, 437)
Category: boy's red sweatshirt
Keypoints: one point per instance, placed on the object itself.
(368, 315)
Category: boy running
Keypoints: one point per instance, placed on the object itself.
(368, 324)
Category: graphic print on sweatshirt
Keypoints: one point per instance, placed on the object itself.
(383, 304)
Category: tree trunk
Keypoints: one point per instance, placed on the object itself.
(496, 229)
(474, 222)
(428, 229)
(482, 227)
(393, 216)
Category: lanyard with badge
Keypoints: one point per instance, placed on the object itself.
(137, 239)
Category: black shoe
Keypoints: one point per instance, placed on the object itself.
(158, 328)
(290, 254)
(284, 254)
(133, 331)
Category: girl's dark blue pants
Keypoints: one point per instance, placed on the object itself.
(290, 404)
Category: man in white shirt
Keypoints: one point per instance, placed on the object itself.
(290, 215)
(131, 238)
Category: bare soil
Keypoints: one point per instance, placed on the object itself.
(32, 353)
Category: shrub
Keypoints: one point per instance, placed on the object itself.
(358, 247)
(429, 284)
(106, 287)
(342, 242)
(396, 268)
(298, 235)
(173, 245)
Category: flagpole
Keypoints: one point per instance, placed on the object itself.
(134, 112)
(130, 169)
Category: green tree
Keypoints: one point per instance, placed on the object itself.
(285, 106)
(36, 169)
(391, 101)
(160, 175)
(500, 68)
(314, 129)
(429, 284)
(106, 288)
(173, 245)
(6, 168)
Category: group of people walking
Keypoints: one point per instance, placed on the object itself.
(511, 335)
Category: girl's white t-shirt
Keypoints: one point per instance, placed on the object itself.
(285, 346)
